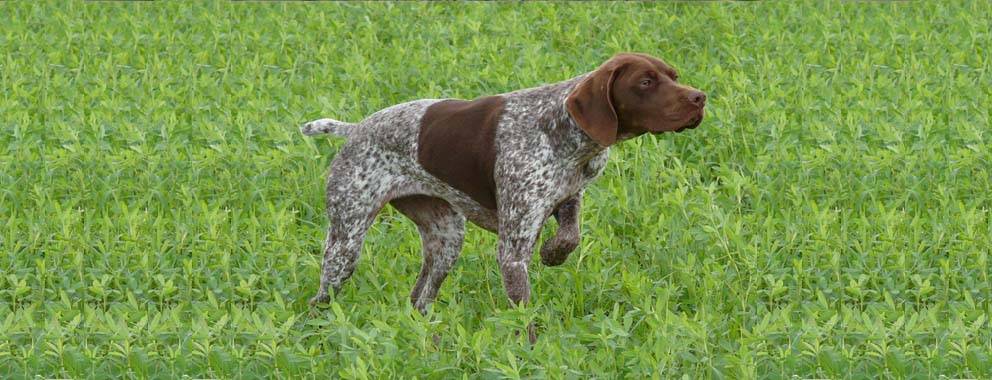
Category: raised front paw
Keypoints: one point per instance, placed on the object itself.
(555, 251)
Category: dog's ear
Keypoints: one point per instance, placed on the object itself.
(591, 104)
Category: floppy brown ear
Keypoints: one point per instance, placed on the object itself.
(591, 105)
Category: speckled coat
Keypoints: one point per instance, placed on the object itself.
(543, 160)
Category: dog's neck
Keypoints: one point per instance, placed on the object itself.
(555, 120)
(584, 146)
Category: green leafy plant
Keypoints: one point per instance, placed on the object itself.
(161, 216)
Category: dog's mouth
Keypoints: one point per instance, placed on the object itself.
(689, 120)
(693, 123)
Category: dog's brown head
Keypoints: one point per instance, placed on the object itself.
(632, 94)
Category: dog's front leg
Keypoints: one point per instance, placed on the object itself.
(518, 232)
(556, 250)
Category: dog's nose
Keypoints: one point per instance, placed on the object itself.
(698, 98)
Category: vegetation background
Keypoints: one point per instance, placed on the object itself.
(161, 216)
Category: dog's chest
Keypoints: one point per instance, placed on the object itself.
(577, 174)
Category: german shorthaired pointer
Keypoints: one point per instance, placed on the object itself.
(505, 162)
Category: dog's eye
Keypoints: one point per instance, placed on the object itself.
(645, 82)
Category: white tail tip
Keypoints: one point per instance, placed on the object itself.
(325, 126)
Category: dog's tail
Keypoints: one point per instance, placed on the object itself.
(328, 126)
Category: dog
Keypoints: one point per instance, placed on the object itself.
(505, 163)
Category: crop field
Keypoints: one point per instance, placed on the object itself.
(161, 216)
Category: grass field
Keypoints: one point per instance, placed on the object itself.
(161, 216)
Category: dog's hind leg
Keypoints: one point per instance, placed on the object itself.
(442, 230)
(356, 191)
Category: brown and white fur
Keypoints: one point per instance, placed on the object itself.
(548, 144)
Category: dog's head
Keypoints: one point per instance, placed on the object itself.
(632, 94)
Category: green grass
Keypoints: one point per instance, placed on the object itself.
(161, 216)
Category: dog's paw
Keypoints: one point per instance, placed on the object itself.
(556, 251)
(320, 299)
(531, 333)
